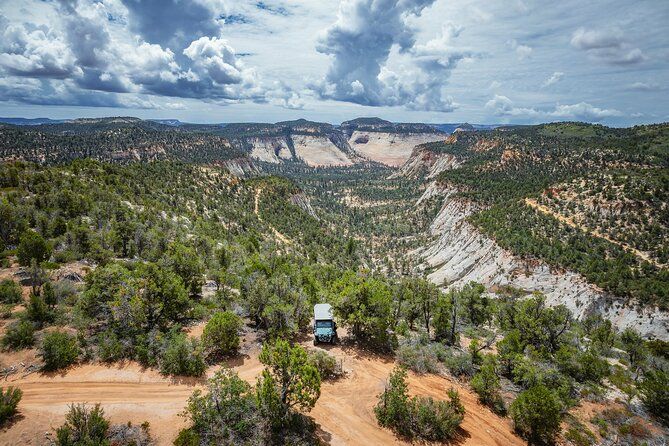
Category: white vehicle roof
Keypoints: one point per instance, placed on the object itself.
(323, 312)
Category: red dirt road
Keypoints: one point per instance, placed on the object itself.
(344, 410)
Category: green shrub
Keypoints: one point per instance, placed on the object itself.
(658, 348)
(436, 420)
(20, 334)
(65, 291)
(9, 400)
(486, 385)
(10, 292)
(32, 246)
(417, 417)
(59, 350)
(226, 414)
(459, 364)
(655, 394)
(232, 412)
(182, 356)
(392, 410)
(325, 364)
(49, 295)
(537, 414)
(187, 437)
(110, 348)
(582, 366)
(37, 311)
(83, 427)
(421, 358)
(579, 435)
(221, 334)
(149, 347)
(295, 379)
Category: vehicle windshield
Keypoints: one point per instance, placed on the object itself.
(323, 324)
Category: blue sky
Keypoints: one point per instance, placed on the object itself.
(485, 61)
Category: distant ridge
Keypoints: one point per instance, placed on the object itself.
(450, 128)
(31, 121)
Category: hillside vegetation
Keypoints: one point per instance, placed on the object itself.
(581, 197)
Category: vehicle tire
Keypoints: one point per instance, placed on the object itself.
(315, 341)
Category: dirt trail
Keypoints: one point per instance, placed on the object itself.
(277, 234)
(569, 221)
(344, 410)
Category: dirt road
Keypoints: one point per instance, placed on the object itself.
(344, 410)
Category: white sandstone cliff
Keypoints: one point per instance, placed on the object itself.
(459, 253)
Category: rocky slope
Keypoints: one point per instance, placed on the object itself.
(386, 142)
(391, 149)
(459, 253)
(313, 143)
(425, 163)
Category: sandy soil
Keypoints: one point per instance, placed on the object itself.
(129, 392)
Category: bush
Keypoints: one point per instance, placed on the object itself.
(436, 420)
(20, 334)
(459, 364)
(110, 349)
(232, 412)
(537, 414)
(59, 350)
(325, 364)
(64, 290)
(392, 410)
(9, 400)
(83, 427)
(486, 385)
(421, 358)
(417, 417)
(580, 435)
(227, 414)
(582, 366)
(295, 379)
(10, 292)
(128, 434)
(187, 437)
(655, 394)
(32, 246)
(221, 334)
(182, 356)
(37, 311)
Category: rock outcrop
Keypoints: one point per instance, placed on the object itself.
(391, 149)
(426, 163)
(386, 142)
(320, 151)
(313, 143)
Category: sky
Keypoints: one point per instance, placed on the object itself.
(436, 61)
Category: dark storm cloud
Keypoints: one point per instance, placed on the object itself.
(608, 46)
(172, 23)
(360, 43)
